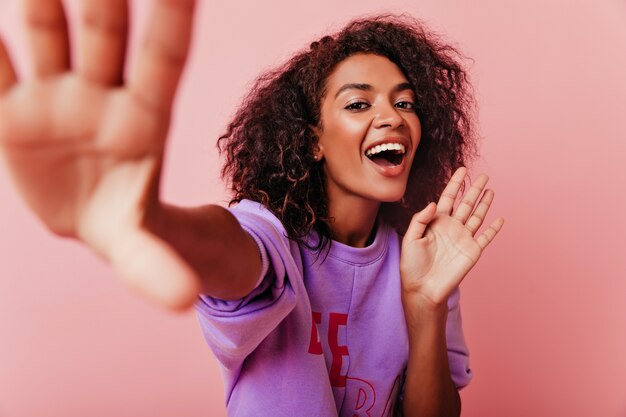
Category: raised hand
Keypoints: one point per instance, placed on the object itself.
(85, 146)
(440, 247)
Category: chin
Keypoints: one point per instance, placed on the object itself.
(390, 196)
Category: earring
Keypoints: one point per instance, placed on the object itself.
(316, 149)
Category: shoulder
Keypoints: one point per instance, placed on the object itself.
(264, 227)
(254, 214)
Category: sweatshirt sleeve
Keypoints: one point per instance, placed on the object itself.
(234, 328)
(458, 353)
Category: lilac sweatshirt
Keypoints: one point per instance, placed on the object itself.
(318, 337)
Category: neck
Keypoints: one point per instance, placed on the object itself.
(354, 220)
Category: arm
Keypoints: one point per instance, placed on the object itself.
(209, 238)
(438, 250)
(428, 389)
(84, 141)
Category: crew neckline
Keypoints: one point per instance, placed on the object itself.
(354, 255)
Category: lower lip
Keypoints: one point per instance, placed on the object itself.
(388, 171)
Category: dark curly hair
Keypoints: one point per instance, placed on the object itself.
(269, 143)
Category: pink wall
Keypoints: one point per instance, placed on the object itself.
(543, 310)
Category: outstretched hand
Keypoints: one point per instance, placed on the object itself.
(85, 146)
(440, 247)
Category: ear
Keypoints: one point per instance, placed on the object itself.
(318, 148)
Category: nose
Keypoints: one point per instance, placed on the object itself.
(388, 116)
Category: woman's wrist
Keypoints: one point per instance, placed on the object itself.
(421, 313)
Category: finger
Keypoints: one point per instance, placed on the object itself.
(448, 196)
(155, 75)
(487, 236)
(48, 36)
(8, 78)
(477, 218)
(420, 221)
(155, 270)
(466, 206)
(102, 41)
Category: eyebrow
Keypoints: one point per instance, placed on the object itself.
(367, 87)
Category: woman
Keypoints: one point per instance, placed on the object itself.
(330, 156)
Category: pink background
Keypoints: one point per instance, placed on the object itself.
(543, 311)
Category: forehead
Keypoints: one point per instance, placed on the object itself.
(372, 69)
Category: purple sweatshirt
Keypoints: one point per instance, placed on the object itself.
(318, 337)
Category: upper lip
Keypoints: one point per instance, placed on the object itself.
(391, 139)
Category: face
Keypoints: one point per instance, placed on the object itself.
(369, 130)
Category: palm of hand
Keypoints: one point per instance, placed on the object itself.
(100, 146)
(439, 249)
(85, 147)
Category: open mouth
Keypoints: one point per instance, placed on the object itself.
(386, 155)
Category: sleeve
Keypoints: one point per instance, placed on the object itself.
(458, 353)
(234, 328)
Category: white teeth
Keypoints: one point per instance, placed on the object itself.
(385, 147)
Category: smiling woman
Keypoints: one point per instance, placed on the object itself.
(327, 146)
(340, 152)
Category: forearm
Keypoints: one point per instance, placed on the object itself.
(210, 239)
(429, 389)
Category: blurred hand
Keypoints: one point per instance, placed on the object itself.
(440, 247)
(85, 145)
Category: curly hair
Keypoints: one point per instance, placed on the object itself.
(269, 143)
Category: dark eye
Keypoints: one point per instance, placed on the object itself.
(357, 105)
(406, 105)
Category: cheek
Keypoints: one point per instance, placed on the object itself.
(345, 134)
(354, 130)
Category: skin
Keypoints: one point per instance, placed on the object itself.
(353, 119)
(85, 148)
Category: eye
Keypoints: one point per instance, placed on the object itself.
(357, 105)
(406, 105)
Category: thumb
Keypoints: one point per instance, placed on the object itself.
(420, 220)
